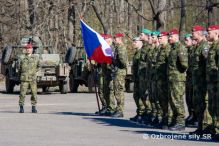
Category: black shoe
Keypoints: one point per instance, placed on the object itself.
(102, 111)
(108, 113)
(21, 109)
(117, 114)
(155, 121)
(137, 119)
(191, 121)
(177, 127)
(34, 109)
(197, 132)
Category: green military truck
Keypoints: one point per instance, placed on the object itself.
(81, 72)
(52, 72)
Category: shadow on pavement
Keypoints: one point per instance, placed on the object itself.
(75, 114)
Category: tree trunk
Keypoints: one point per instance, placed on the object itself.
(182, 17)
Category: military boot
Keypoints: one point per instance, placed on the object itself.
(21, 109)
(34, 109)
(117, 114)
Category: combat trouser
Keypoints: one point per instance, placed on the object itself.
(117, 88)
(23, 90)
(213, 105)
(176, 91)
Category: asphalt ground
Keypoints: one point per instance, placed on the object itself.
(69, 120)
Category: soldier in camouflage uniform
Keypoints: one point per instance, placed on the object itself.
(198, 62)
(177, 65)
(103, 81)
(162, 79)
(145, 36)
(137, 45)
(28, 67)
(212, 72)
(117, 84)
(155, 106)
(191, 119)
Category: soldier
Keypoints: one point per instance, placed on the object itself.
(212, 72)
(117, 84)
(177, 65)
(156, 111)
(28, 68)
(102, 80)
(162, 79)
(191, 119)
(145, 36)
(137, 45)
(199, 78)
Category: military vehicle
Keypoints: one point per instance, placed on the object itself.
(52, 72)
(81, 72)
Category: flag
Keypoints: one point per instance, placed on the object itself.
(96, 47)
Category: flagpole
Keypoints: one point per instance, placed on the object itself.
(95, 86)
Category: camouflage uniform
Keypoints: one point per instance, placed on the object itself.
(199, 83)
(155, 106)
(117, 84)
(28, 67)
(142, 76)
(100, 84)
(162, 81)
(177, 65)
(213, 79)
(136, 93)
(189, 87)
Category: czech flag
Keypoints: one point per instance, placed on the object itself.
(96, 47)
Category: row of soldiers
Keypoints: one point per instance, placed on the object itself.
(164, 69)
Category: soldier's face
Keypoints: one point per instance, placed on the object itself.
(118, 40)
(154, 39)
(188, 41)
(137, 44)
(163, 40)
(109, 41)
(212, 34)
(143, 37)
(196, 34)
(29, 50)
(173, 38)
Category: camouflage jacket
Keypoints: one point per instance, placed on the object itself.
(152, 62)
(162, 62)
(189, 50)
(135, 64)
(28, 68)
(198, 60)
(120, 60)
(143, 60)
(212, 67)
(177, 62)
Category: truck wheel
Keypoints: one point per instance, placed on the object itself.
(45, 89)
(90, 83)
(73, 85)
(70, 55)
(9, 85)
(6, 54)
(63, 87)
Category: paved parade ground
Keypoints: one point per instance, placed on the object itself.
(68, 120)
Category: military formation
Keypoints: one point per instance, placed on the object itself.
(165, 69)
